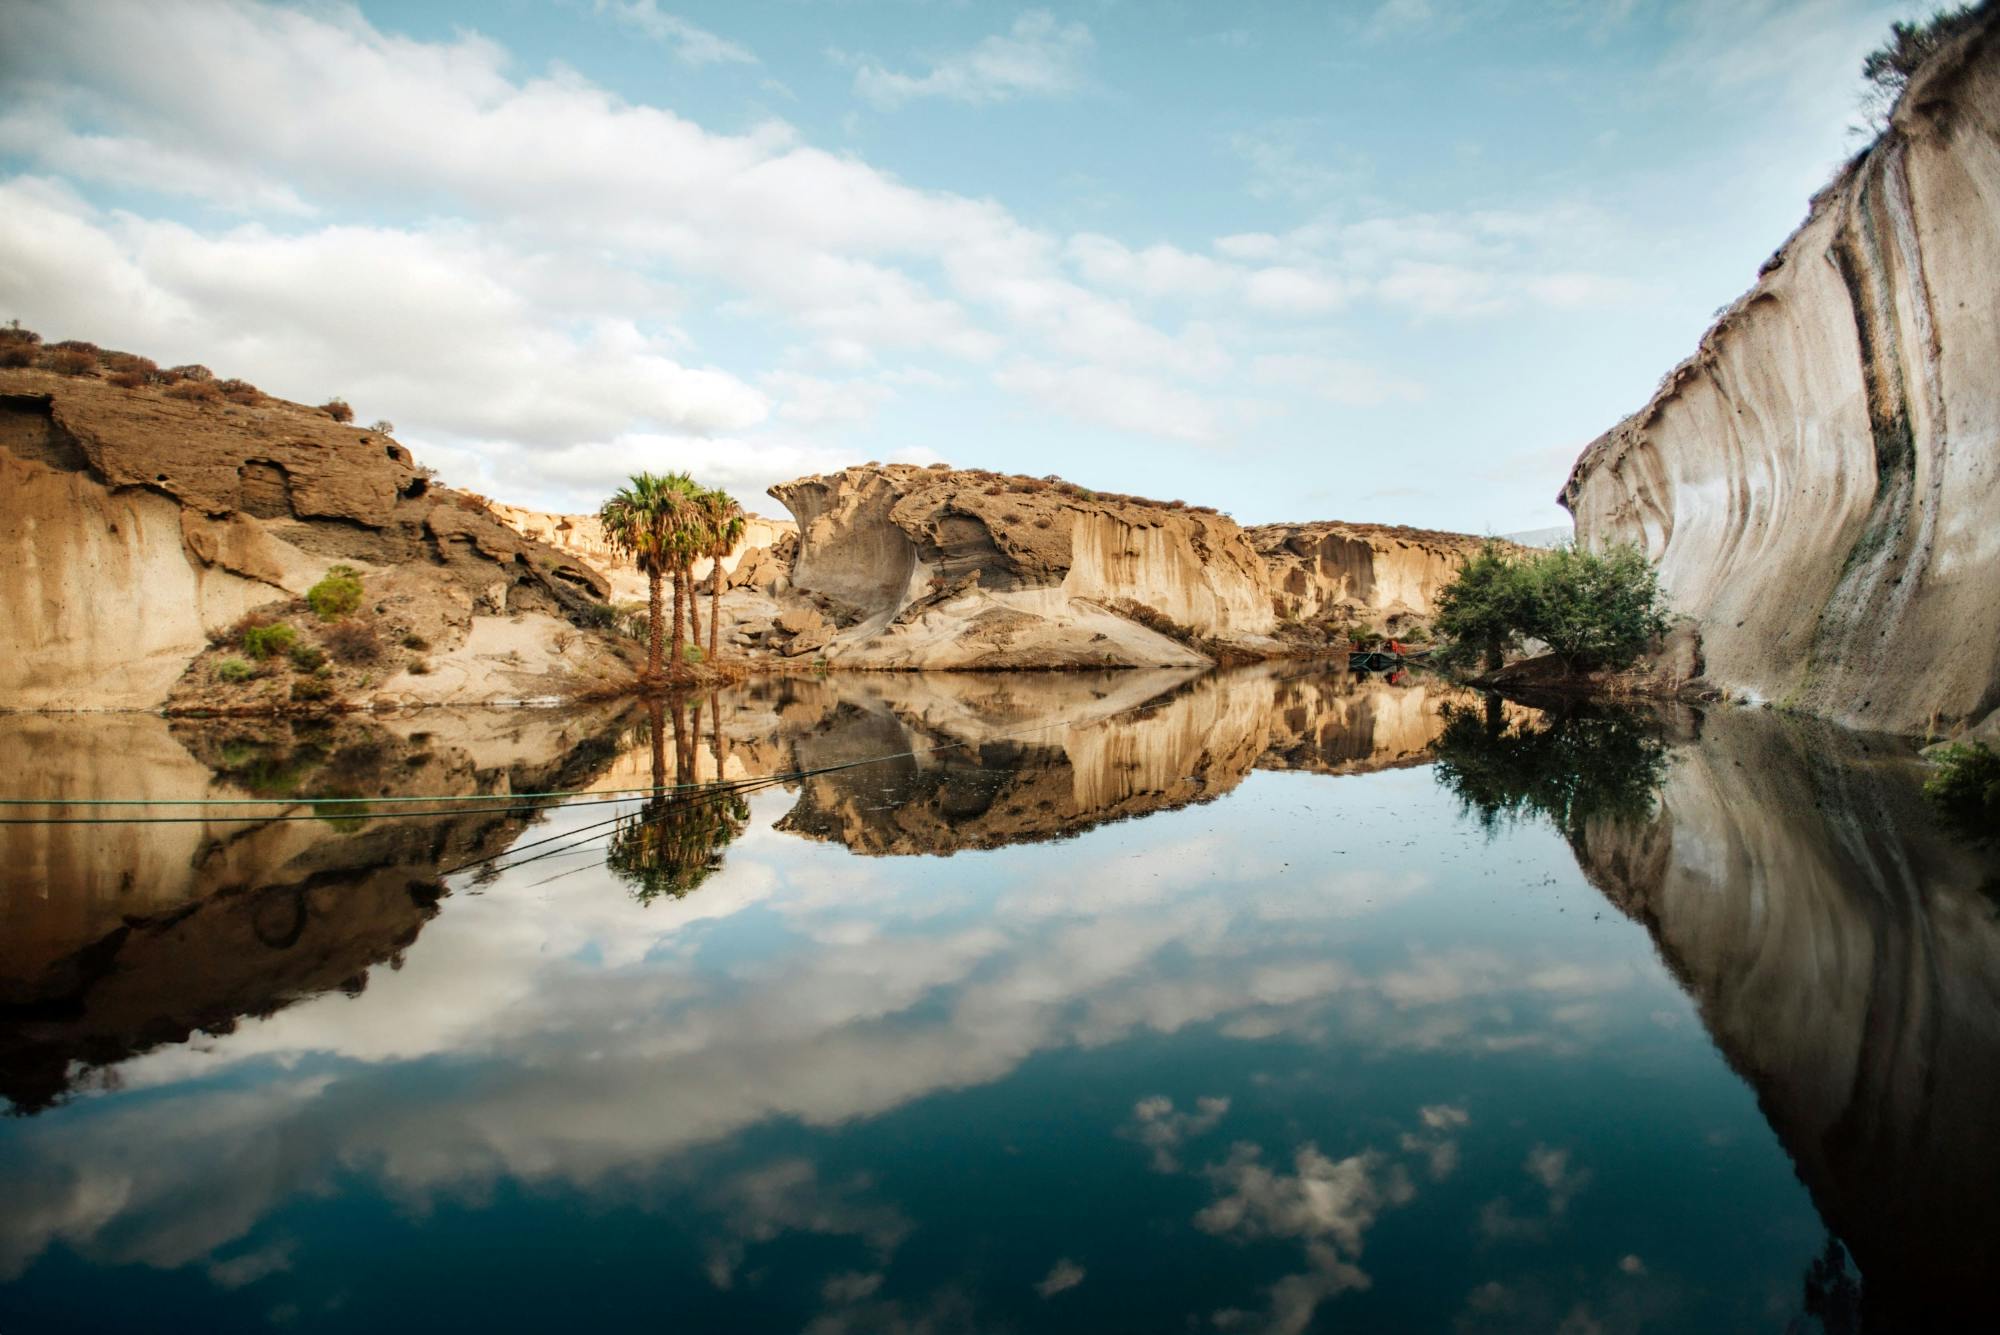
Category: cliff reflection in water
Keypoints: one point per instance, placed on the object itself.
(1841, 943)
(1833, 939)
(126, 935)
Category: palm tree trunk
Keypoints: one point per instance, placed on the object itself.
(679, 657)
(714, 604)
(656, 629)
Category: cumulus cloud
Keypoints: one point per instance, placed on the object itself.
(1038, 57)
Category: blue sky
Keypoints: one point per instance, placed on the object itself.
(1381, 261)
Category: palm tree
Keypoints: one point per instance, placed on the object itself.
(643, 521)
(725, 529)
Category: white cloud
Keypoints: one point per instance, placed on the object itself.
(690, 45)
(1038, 57)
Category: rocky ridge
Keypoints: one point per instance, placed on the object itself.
(140, 527)
(1818, 482)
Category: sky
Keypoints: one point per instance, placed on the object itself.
(1392, 260)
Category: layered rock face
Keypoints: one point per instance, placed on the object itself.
(1818, 483)
(936, 568)
(1377, 575)
(582, 537)
(135, 526)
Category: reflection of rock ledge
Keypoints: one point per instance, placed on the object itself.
(984, 770)
(162, 930)
(1846, 964)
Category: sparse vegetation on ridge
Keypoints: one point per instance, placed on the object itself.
(1890, 66)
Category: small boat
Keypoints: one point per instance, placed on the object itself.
(1381, 660)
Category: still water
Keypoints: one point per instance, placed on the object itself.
(1262, 1001)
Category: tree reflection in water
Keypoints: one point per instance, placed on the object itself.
(1572, 764)
(675, 841)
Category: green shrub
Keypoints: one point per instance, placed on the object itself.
(1966, 788)
(598, 616)
(690, 653)
(337, 593)
(1594, 610)
(261, 642)
(308, 657)
(234, 670)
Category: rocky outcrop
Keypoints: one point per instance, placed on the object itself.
(1818, 482)
(136, 527)
(582, 537)
(1374, 576)
(937, 568)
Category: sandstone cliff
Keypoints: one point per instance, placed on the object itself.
(937, 568)
(1818, 482)
(582, 537)
(1378, 576)
(136, 527)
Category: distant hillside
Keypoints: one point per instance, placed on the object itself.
(1541, 537)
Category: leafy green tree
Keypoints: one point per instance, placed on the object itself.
(1594, 610)
(1482, 611)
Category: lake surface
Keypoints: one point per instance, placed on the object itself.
(1273, 1000)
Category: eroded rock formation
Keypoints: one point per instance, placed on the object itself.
(1818, 481)
(136, 526)
(1374, 575)
(936, 568)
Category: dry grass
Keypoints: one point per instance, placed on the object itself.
(195, 391)
(70, 361)
(338, 410)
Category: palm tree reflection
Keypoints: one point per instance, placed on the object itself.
(675, 841)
